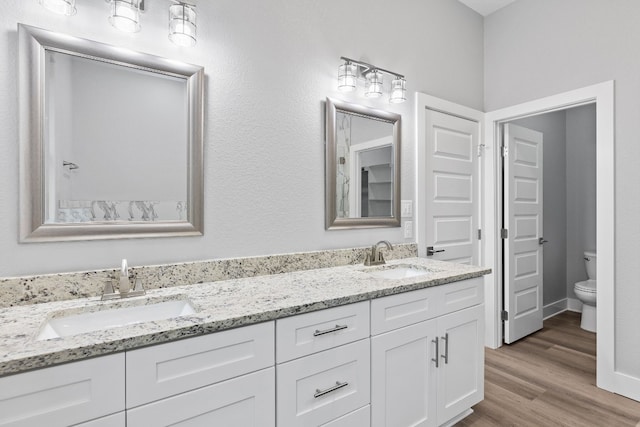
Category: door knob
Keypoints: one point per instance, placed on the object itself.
(431, 251)
(542, 241)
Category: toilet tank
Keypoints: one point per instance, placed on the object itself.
(590, 264)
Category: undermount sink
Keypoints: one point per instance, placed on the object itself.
(400, 271)
(65, 325)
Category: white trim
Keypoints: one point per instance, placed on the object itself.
(603, 96)
(554, 308)
(426, 102)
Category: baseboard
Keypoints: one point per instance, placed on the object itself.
(554, 308)
(574, 304)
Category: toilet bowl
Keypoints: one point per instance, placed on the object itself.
(586, 292)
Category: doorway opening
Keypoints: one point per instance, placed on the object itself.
(602, 96)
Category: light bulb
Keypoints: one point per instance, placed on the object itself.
(63, 7)
(374, 84)
(398, 90)
(182, 24)
(347, 77)
(125, 15)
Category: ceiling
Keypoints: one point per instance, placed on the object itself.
(486, 7)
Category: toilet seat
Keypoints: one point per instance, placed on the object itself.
(588, 286)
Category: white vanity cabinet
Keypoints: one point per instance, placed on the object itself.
(427, 355)
(226, 378)
(69, 394)
(324, 377)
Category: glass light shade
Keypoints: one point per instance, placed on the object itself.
(125, 15)
(398, 90)
(182, 24)
(347, 77)
(374, 84)
(63, 7)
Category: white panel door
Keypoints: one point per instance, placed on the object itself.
(523, 214)
(452, 188)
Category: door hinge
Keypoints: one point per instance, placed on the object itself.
(504, 233)
(505, 151)
(480, 149)
(504, 315)
(479, 234)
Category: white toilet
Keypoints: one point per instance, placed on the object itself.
(586, 292)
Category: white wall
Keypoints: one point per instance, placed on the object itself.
(270, 66)
(552, 125)
(581, 194)
(536, 48)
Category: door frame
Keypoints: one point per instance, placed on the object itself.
(602, 95)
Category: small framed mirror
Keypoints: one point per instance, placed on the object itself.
(111, 141)
(362, 167)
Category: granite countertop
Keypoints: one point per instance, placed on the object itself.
(219, 305)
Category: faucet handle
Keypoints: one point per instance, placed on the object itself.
(108, 292)
(138, 289)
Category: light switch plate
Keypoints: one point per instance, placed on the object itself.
(408, 229)
(406, 210)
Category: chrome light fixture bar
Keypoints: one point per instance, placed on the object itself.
(350, 70)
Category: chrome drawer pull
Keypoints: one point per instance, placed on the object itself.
(338, 386)
(337, 328)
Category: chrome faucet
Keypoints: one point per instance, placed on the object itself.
(376, 257)
(124, 286)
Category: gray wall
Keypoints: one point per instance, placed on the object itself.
(581, 194)
(552, 125)
(536, 48)
(270, 65)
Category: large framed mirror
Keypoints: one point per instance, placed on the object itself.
(362, 176)
(111, 141)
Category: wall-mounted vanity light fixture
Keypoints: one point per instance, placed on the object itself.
(64, 7)
(182, 24)
(351, 70)
(125, 14)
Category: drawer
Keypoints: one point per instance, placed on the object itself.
(314, 390)
(246, 401)
(358, 418)
(309, 333)
(463, 294)
(164, 370)
(63, 395)
(397, 311)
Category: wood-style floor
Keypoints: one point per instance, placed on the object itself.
(548, 379)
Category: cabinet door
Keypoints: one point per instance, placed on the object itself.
(246, 401)
(461, 372)
(403, 378)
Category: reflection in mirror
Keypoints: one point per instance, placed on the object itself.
(363, 169)
(114, 147)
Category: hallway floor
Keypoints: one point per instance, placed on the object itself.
(548, 379)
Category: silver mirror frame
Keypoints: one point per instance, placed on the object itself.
(33, 42)
(332, 222)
